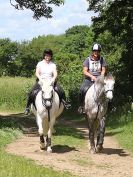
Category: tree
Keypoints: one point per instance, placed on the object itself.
(116, 16)
(40, 8)
(8, 52)
(78, 40)
(28, 55)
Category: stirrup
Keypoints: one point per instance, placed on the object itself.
(81, 110)
(66, 104)
(27, 111)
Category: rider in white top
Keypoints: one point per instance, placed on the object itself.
(45, 69)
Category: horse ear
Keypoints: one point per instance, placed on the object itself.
(40, 82)
(114, 77)
(111, 75)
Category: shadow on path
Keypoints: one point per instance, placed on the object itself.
(27, 124)
(111, 151)
(62, 149)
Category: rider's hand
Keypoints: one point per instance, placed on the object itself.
(93, 78)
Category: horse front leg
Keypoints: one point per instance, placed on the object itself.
(42, 145)
(52, 121)
(91, 135)
(100, 135)
(40, 131)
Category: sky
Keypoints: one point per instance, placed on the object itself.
(19, 25)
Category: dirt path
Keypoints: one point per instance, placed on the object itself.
(113, 162)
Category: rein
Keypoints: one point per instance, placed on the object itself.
(96, 96)
(98, 104)
(47, 107)
(108, 91)
(47, 99)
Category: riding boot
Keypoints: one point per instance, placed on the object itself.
(62, 96)
(27, 109)
(81, 107)
(31, 96)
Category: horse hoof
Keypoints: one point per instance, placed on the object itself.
(49, 150)
(92, 150)
(42, 146)
(99, 148)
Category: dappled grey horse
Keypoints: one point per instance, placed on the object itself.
(46, 109)
(96, 104)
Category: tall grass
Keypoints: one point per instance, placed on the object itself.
(120, 125)
(13, 93)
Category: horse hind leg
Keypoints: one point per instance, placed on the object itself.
(100, 136)
(91, 137)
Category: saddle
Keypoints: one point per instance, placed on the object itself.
(35, 92)
(85, 91)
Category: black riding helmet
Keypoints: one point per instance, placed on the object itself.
(47, 51)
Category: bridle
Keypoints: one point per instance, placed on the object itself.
(109, 90)
(44, 100)
(98, 103)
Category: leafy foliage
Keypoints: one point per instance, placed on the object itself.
(8, 51)
(70, 50)
(70, 72)
(116, 17)
(40, 8)
(79, 40)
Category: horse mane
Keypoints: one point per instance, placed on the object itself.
(100, 79)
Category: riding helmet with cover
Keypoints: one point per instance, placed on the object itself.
(96, 47)
(47, 51)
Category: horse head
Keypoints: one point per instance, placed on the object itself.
(47, 92)
(109, 82)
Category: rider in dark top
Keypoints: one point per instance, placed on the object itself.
(93, 66)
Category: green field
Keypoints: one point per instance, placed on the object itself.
(13, 97)
(13, 93)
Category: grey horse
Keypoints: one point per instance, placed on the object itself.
(96, 104)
